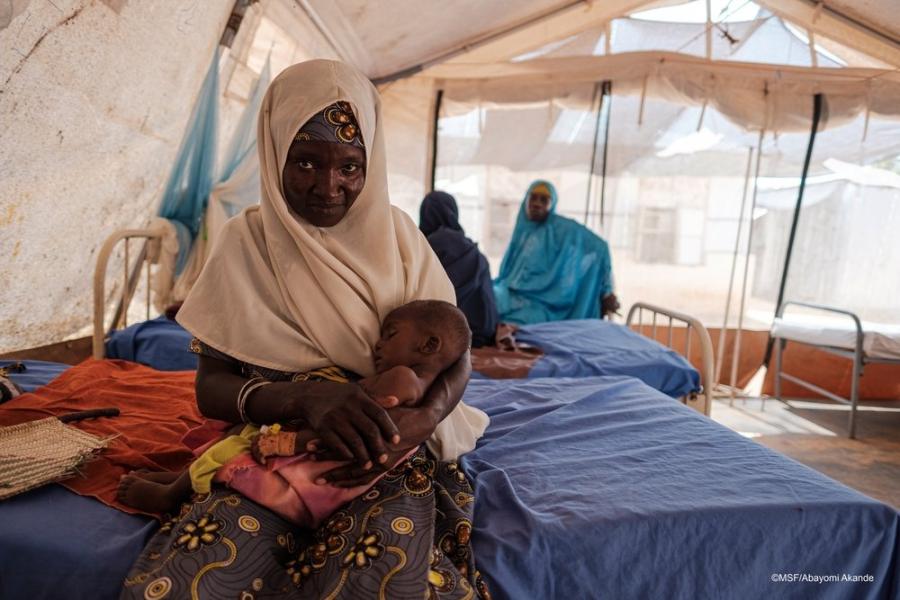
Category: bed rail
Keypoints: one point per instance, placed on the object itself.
(131, 273)
(701, 400)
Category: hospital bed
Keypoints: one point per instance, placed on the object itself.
(584, 487)
(862, 343)
(641, 348)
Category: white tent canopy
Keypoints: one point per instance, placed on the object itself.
(95, 97)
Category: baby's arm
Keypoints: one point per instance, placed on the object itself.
(274, 441)
(398, 382)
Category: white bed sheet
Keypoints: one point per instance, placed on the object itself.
(880, 340)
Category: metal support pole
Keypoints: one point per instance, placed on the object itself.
(736, 353)
(818, 105)
(607, 105)
(434, 136)
(720, 358)
(590, 181)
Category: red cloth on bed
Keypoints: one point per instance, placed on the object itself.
(157, 410)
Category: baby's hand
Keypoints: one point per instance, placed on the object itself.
(387, 401)
(279, 443)
(255, 450)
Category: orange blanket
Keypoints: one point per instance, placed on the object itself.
(157, 410)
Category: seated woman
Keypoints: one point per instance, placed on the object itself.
(554, 268)
(465, 265)
(294, 292)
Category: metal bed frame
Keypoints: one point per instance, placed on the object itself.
(148, 254)
(700, 401)
(857, 355)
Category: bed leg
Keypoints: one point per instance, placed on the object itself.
(779, 348)
(854, 392)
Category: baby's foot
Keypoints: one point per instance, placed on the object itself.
(150, 496)
(157, 476)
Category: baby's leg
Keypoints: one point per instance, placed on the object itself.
(154, 492)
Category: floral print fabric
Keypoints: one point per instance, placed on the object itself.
(407, 537)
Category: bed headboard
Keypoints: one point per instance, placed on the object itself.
(134, 261)
(664, 318)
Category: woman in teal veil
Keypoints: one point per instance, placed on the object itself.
(554, 268)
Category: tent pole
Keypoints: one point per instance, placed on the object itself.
(434, 135)
(811, 42)
(590, 181)
(736, 353)
(720, 358)
(607, 94)
(709, 25)
(818, 101)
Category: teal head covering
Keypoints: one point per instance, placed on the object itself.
(553, 270)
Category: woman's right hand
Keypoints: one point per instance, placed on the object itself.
(345, 419)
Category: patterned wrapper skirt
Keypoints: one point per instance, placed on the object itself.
(407, 537)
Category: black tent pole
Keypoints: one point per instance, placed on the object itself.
(607, 95)
(818, 101)
(590, 181)
(434, 136)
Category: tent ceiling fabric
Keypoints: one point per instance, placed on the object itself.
(880, 15)
(752, 95)
(882, 42)
(385, 37)
(394, 35)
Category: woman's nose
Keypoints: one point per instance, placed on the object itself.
(327, 184)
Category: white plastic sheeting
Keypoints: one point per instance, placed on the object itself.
(94, 97)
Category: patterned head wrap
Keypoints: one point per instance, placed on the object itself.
(335, 123)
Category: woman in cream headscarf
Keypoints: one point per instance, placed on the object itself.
(286, 311)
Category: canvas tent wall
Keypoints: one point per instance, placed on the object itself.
(126, 73)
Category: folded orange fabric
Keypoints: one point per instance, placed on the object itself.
(157, 410)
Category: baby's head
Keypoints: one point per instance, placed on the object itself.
(429, 334)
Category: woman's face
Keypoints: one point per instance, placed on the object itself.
(538, 206)
(322, 180)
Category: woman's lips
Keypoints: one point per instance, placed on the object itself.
(326, 208)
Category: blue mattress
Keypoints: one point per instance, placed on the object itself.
(590, 347)
(36, 373)
(605, 488)
(160, 343)
(57, 544)
(590, 487)
(571, 349)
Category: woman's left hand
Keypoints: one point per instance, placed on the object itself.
(415, 424)
(352, 475)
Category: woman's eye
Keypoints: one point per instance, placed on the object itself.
(304, 164)
(351, 168)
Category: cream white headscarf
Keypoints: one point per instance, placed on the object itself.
(281, 293)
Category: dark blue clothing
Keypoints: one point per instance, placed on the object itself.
(466, 266)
